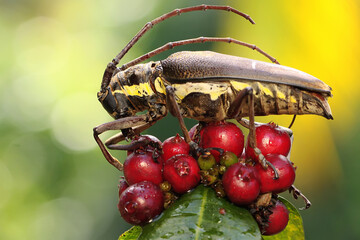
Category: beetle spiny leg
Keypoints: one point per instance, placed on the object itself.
(296, 193)
(175, 111)
(220, 150)
(265, 163)
(112, 160)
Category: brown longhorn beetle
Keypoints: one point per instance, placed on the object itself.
(202, 85)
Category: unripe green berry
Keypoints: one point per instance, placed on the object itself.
(206, 161)
(228, 158)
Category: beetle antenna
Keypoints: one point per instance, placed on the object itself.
(110, 68)
(171, 45)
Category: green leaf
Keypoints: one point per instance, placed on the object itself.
(294, 230)
(196, 216)
(131, 234)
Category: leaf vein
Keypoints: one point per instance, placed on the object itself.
(201, 215)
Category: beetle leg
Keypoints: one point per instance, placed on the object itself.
(292, 121)
(296, 193)
(123, 123)
(234, 111)
(175, 111)
(111, 143)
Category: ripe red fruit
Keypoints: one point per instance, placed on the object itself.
(241, 184)
(278, 220)
(266, 176)
(173, 146)
(141, 202)
(122, 185)
(224, 135)
(140, 166)
(153, 141)
(269, 139)
(182, 172)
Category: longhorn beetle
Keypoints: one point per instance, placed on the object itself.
(202, 85)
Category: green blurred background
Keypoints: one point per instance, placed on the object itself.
(54, 182)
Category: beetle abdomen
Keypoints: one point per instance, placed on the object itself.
(211, 101)
(215, 79)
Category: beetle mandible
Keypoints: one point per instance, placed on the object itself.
(202, 85)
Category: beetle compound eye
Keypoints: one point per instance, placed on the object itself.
(108, 102)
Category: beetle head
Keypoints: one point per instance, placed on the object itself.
(118, 105)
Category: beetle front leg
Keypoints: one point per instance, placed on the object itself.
(123, 123)
(112, 142)
(234, 111)
(175, 111)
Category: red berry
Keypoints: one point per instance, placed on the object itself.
(141, 202)
(266, 176)
(140, 166)
(224, 135)
(153, 142)
(182, 172)
(122, 185)
(277, 220)
(270, 139)
(173, 146)
(241, 184)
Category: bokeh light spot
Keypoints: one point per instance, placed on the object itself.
(73, 119)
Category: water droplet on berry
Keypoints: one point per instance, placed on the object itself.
(130, 207)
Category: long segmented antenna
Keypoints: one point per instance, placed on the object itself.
(112, 65)
(171, 45)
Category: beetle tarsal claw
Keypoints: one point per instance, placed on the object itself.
(274, 169)
(296, 193)
(265, 163)
(258, 151)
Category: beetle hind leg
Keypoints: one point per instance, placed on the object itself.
(234, 111)
(296, 193)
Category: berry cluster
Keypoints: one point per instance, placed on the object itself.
(156, 174)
